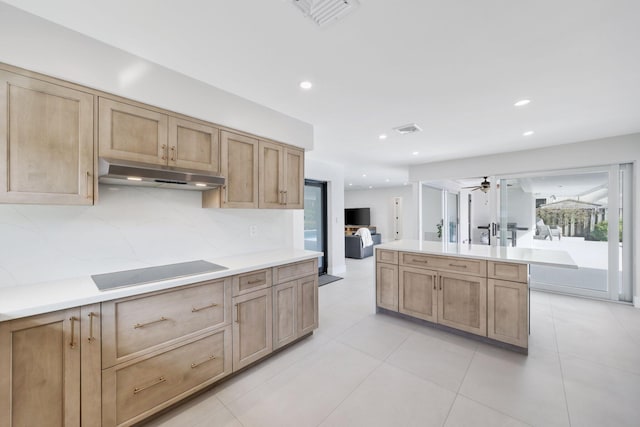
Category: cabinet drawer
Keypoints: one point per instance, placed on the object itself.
(508, 271)
(285, 273)
(252, 281)
(458, 265)
(135, 390)
(135, 325)
(389, 257)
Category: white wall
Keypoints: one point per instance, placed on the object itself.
(131, 227)
(620, 149)
(39, 45)
(380, 200)
(333, 174)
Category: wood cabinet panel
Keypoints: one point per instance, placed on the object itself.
(462, 265)
(40, 370)
(294, 178)
(253, 281)
(130, 132)
(272, 174)
(193, 145)
(136, 389)
(307, 304)
(285, 313)
(239, 164)
(418, 293)
(132, 326)
(46, 142)
(287, 272)
(508, 312)
(508, 271)
(387, 286)
(462, 302)
(252, 327)
(388, 257)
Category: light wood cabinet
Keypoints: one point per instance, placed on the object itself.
(136, 389)
(42, 360)
(387, 286)
(281, 176)
(252, 281)
(508, 312)
(307, 304)
(46, 142)
(462, 302)
(193, 145)
(252, 327)
(239, 156)
(285, 313)
(418, 293)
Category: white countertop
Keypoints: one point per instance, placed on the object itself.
(493, 253)
(29, 300)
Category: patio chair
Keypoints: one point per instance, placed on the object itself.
(542, 231)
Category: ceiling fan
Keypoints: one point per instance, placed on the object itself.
(484, 186)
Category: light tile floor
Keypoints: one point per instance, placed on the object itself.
(363, 369)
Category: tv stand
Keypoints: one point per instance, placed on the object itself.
(350, 229)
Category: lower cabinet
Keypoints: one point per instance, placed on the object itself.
(418, 293)
(462, 302)
(387, 286)
(252, 327)
(508, 312)
(295, 310)
(42, 361)
(135, 389)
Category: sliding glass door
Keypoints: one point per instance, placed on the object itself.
(439, 214)
(315, 220)
(582, 212)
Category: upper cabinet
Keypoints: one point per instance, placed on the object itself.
(46, 142)
(239, 166)
(281, 176)
(130, 132)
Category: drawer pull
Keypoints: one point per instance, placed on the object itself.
(423, 261)
(91, 316)
(160, 380)
(195, 365)
(142, 325)
(458, 265)
(73, 319)
(255, 282)
(195, 310)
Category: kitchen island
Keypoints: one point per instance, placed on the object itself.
(474, 290)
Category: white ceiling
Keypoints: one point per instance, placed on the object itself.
(453, 67)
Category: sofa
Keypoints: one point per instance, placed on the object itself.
(353, 246)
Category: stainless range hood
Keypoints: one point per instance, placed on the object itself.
(124, 172)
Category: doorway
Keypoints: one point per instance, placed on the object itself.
(315, 220)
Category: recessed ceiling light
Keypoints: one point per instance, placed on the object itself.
(522, 102)
(306, 85)
(371, 186)
(350, 184)
(528, 133)
(134, 178)
(415, 153)
(383, 136)
(364, 175)
(386, 180)
(200, 184)
(406, 183)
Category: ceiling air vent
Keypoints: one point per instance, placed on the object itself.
(410, 128)
(323, 12)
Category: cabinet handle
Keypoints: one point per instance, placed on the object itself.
(89, 186)
(142, 325)
(440, 281)
(237, 313)
(164, 152)
(195, 310)
(280, 198)
(435, 281)
(224, 189)
(160, 380)
(195, 365)
(91, 316)
(458, 265)
(286, 197)
(423, 261)
(254, 282)
(73, 319)
(173, 154)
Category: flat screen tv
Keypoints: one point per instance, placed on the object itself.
(357, 216)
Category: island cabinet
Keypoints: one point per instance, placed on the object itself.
(50, 369)
(480, 297)
(46, 142)
(135, 132)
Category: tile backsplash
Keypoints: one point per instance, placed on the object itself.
(130, 227)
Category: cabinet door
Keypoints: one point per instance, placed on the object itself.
(252, 327)
(129, 132)
(193, 145)
(40, 370)
(418, 293)
(46, 142)
(294, 179)
(462, 302)
(239, 165)
(387, 286)
(508, 314)
(307, 304)
(285, 313)
(272, 173)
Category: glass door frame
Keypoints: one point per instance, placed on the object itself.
(444, 192)
(322, 266)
